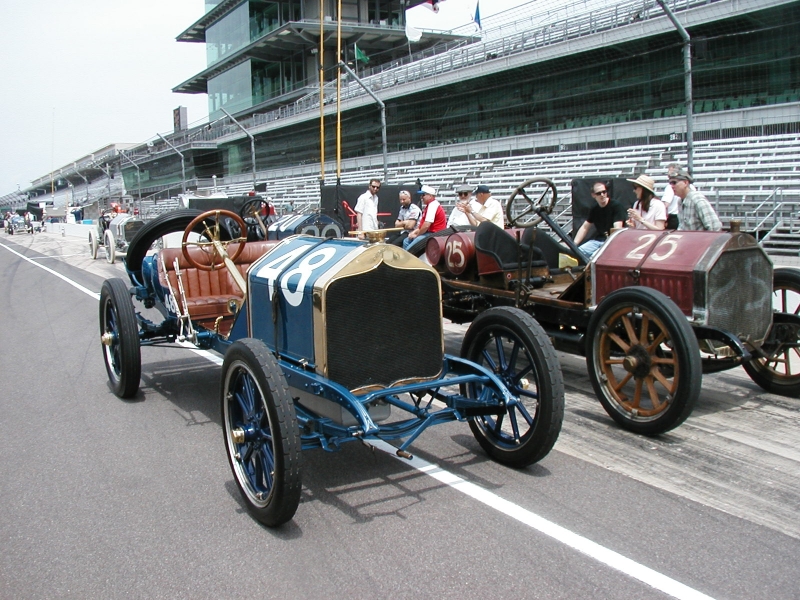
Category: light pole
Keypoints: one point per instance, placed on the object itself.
(687, 83)
(252, 145)
(183, 162)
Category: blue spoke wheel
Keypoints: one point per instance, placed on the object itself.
(262, 437)
(119, 335)
(510, 343)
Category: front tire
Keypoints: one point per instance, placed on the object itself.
(643, 360)
(779, 373)
(120, 338)
(111, 246)
(262, 437)
(510, 342)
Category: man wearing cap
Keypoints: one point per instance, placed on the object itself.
(697, 214)
(407, 217)
(457, 216)
(608, 214)
(491, 210)
(367, 207)
(433, 218)
(648, 212)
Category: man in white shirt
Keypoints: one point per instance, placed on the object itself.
(457, 216)
(490, 210)
(367, 207)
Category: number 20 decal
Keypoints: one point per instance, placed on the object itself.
(670, 242)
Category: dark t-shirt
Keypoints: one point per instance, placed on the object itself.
(603, 218)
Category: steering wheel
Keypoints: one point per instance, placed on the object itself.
(213, 246)
(522, 211)
(255, 224)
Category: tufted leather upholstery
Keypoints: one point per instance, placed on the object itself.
(208, 292)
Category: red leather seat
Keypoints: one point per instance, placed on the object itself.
(208, 292)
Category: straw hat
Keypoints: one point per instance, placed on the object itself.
(645, 182)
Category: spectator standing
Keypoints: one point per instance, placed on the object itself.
(490, 208)
(407, 217)
(433, 218)
(367, 207)
(671, 201)
(457, 216)
(697, 214)
(608, 214)
(648, 212)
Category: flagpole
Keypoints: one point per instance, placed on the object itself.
(339, 94)
(321, 90)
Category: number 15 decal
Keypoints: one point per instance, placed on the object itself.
(665, 248)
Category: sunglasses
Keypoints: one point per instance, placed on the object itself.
(375, 187)
(463, 193)
(600, 193)
(674, 181)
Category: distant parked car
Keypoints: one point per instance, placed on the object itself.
(16, 225)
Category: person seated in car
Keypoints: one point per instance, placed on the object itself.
(648, 212)
(433, 218)
(490, 208)
(457, 216)
(606, 215)
(407, 218)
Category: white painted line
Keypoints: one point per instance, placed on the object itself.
(583, 545)
(573, 540)
(87, 291)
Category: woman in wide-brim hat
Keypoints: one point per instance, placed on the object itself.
(648, 212)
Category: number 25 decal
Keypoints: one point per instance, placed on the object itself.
(669, 243)
(455, 256)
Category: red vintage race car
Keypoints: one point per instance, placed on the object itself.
(651, 311)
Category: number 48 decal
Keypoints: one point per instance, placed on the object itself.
(663, 250)
(273, 269)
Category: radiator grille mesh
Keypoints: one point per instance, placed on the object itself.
(382, 326)
(740, 293)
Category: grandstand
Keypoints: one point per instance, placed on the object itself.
(552, 92)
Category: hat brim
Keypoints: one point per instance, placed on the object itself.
(641, 185)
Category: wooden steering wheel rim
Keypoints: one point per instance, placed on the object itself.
(196, 222)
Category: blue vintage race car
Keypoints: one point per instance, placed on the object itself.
(326, 341)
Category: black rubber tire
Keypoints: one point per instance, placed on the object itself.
(511, 343)
(122, 355)
(151, 231)
(679, 378)
(93, 244)
(768, 373)
(110, 245)
(255, 398)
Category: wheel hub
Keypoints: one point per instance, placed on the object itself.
(637, 361)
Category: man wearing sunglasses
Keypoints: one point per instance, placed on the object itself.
(697, 214)
(457, 216)
(608, 214)
(367, 207)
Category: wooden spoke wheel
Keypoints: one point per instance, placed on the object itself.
(643, 360)
(779, 371)
(209, 223)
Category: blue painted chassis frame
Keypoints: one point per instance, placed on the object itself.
(322, 432)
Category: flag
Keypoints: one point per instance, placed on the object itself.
(477, 18)
(360, 55)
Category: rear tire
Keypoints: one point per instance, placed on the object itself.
(93, 244)
(510, 342)
(262, 437)
(779, 373)
(171, 222)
